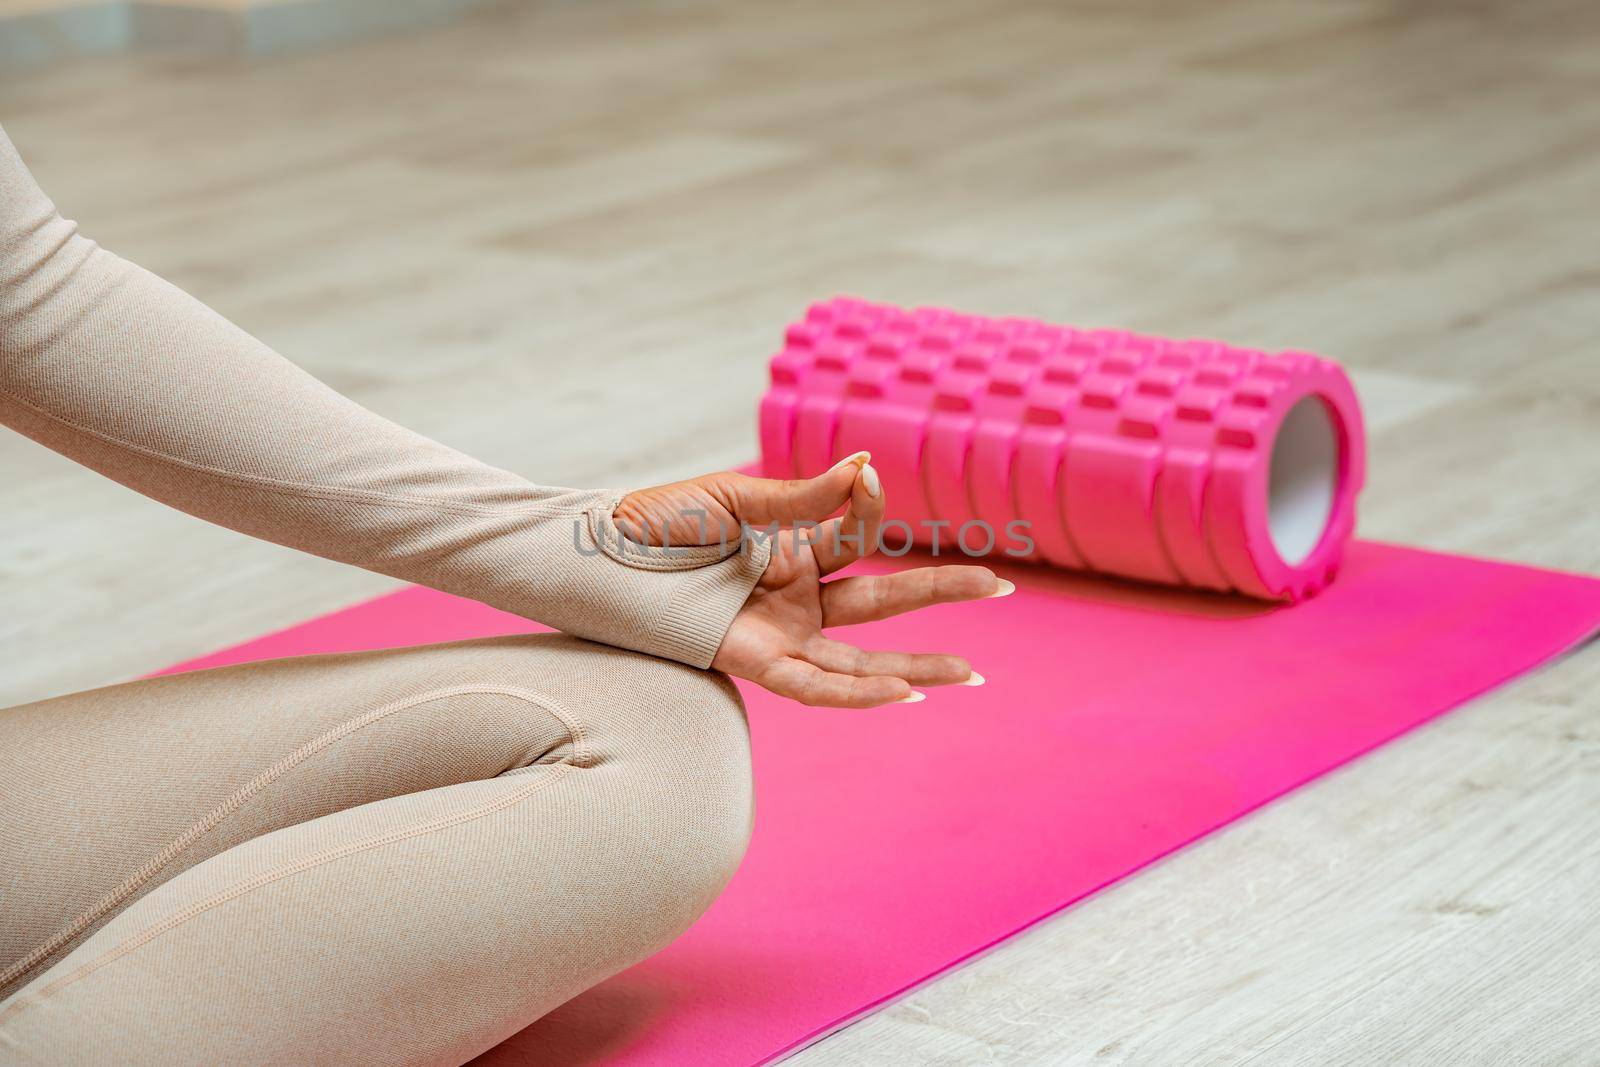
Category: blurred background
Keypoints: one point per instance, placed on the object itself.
(565, 237)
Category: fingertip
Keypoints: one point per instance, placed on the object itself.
(857, 459)
(897, 691)
(866, 495)
(871, 481)
(916, 696)
(815, 499)
(966, 581)
(970, 581)
(1003, 588)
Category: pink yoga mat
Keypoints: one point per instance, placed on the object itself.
(1119, 723)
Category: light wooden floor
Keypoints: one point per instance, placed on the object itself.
(591, 221)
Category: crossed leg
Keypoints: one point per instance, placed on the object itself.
(406, 855)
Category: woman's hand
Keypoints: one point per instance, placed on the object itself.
(776, 640)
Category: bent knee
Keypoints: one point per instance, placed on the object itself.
(688, 744)
(671, 741)
(723, 784)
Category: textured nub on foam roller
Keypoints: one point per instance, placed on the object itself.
(1192, 463)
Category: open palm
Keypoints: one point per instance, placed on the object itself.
(776, 640)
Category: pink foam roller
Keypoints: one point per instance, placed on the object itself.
(1191, 463)
(944, 456)
(885, 411)
(809, 378)
(1036, 469)
(779, 408)
(1001, 407)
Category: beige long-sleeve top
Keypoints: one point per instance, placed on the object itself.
(122, 372)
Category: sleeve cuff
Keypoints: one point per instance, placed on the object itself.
(709, 585)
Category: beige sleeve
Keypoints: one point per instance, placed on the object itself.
(122, 372)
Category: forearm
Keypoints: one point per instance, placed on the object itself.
(117, 369)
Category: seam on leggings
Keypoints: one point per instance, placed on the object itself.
(149, 934)
(141, 877)
(309, 490)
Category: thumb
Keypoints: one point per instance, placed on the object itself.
(764, 501)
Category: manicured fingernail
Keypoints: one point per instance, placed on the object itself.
(859, 459)
(1006, 589)
(973, 679)
(869, 475)
(916, 696)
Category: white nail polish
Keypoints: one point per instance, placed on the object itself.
(973, 679)
(869, 475)
(917, 696)
(860, 459)
(1006, 589)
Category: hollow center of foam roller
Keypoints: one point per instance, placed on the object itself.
(1304, 479)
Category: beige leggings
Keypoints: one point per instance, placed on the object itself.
(400, 857)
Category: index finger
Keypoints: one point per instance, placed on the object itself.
(840, 542)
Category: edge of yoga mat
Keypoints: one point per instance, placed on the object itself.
(1591, 635)
(375, 626)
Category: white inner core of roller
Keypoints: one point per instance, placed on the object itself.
(1304, 478)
